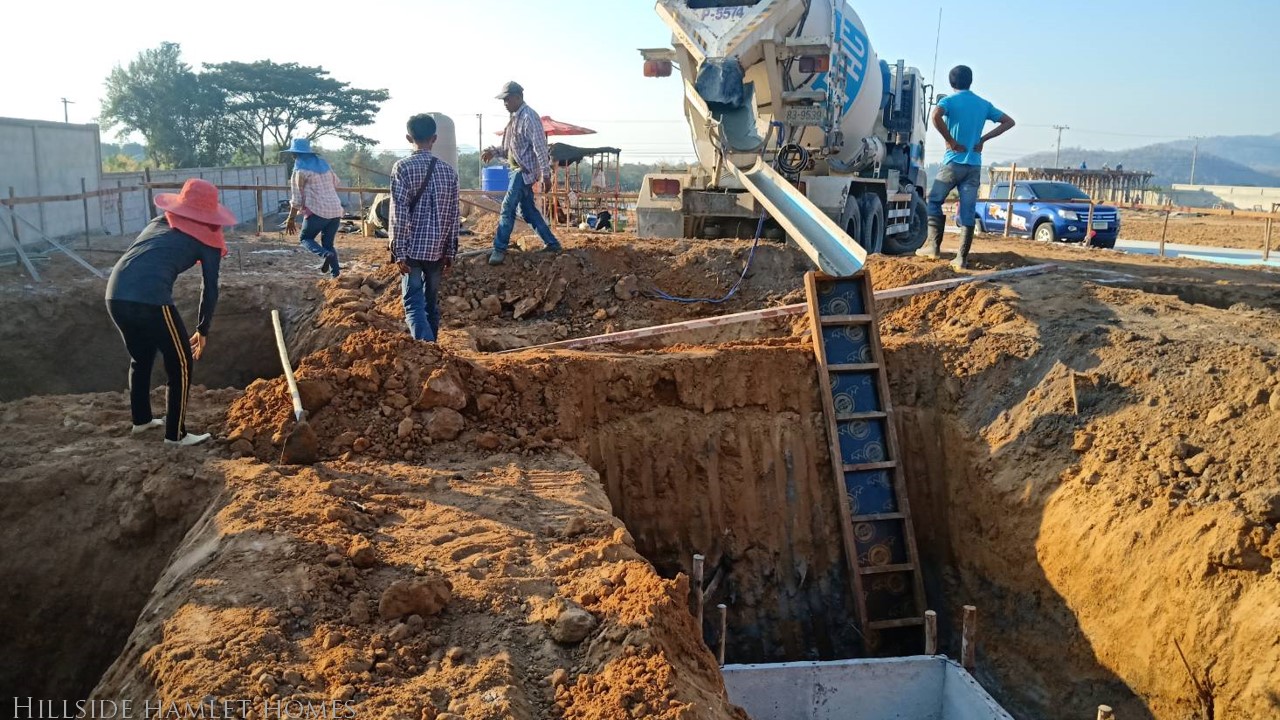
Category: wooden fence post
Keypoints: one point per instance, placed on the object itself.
(120, 204)
(13, 217)
(698, 570)
(930, 632)
(1165, 230)
(1008, 212)
(1266, 243)
(258, 197)
(1105, 713)
(1088, 228)
(84, 200)
(147, 212)
(968, 637)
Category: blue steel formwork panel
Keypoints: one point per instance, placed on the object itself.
(880, 539)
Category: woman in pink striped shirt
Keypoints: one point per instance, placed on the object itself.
(314, 194)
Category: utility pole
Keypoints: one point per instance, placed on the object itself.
(1058, 154)
(66, 118)
(1194, 155)
(480, 151)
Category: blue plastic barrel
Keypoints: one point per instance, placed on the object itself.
(497, 178)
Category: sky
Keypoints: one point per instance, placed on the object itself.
(1118, 74)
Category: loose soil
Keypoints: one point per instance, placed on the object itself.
(1091, 455)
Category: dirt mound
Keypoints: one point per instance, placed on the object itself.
(516, 549)
(1097, 465)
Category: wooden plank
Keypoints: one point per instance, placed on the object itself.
(775, 312)
(87, 194)
(901, 623)
(909, 290)
(846, 319)
(882, 569)
(869, 415)
(879, 516)
(860, 467)
(833, 444)
(64, 249)
(895, 453)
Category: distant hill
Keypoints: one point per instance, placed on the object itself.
(1260, 152)
(1170, 165)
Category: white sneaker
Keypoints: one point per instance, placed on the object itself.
(188, 439)
(155, 423)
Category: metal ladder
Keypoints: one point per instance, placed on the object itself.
(879, 539)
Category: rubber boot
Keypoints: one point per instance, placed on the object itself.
(932, 247)
(966, 242)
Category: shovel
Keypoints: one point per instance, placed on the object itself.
(301, 447)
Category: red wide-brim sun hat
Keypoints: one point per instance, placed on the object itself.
(198, 201)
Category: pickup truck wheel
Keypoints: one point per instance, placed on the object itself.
(913, 239)
(1045, 233)
(872, 223)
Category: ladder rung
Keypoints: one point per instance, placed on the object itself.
(871, 466)
(853, 367)
(878, 516)
(870, 415)
(887, 624)
(846, 319)
(878, 569)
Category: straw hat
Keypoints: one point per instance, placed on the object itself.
(198, 201)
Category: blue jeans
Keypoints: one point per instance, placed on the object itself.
(520, 194)
(327, 229)
(950, 177)
(419, 289)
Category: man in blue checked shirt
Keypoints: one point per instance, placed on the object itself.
(524, 145)
(424, 227)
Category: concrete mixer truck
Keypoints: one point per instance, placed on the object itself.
(795, 117)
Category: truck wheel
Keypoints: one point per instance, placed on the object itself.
(912, 239)
(1045, 233)
(852, 219)
(872, 223)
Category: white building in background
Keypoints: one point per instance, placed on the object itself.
(1237, 197)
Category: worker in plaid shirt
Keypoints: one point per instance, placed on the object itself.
(424, 227)
(524, 145)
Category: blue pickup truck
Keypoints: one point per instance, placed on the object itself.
(1049, 211)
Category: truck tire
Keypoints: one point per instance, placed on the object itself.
(913, 239)
(872, 223)
(1045, 232)
(851, 219)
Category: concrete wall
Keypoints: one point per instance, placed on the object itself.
(911, 688)
(241, 202)
(1230, 196)
(49, 158)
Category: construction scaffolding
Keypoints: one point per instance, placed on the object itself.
(1105, 185)
(574, 197)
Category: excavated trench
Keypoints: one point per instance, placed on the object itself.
(712, 450)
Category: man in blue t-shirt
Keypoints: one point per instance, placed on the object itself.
(960, 119)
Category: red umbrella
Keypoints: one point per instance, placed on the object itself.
(555, 127)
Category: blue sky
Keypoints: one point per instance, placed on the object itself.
(1119, 74)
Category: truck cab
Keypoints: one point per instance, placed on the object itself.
(1048, 211)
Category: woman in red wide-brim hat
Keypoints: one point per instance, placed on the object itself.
(140, 300)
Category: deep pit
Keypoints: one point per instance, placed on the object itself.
(704, 448)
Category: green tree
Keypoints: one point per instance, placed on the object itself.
(268, 104)
(179, 114)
